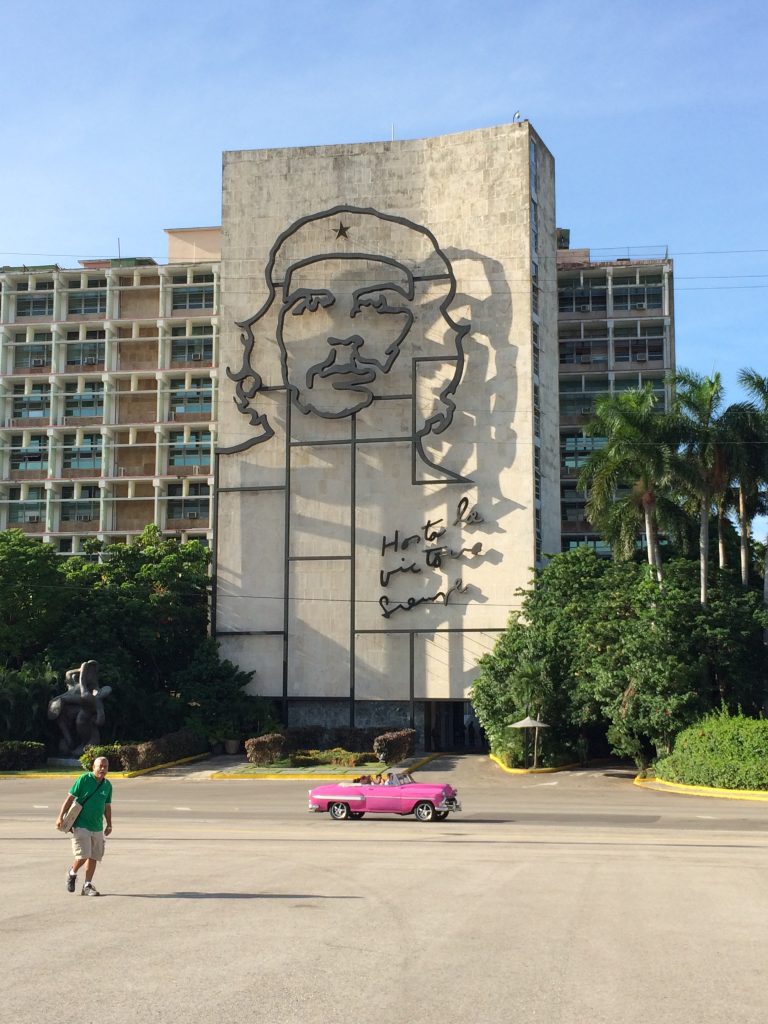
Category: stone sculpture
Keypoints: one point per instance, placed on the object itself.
(80, 711)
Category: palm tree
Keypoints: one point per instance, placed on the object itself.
(756, 459)
(701, 465)
(637, 456)
(742, 433)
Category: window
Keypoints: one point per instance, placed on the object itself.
(584, 343)
(600, 547)
(575, 449)
(32, 457)
(638, 342)
(79, 511)
(34, 305)
(36, 404)
(89, 352)
(195, 451)
(87, 303)
(195, 399)
(32, 354)
(197, 296)
(85, 455)
(636, 294)
(194, 347)
(194, 505)
(29, 510)
(88, 402)
(589, 296)
(534, 227)
(534, 287)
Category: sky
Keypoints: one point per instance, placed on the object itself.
(116, 116)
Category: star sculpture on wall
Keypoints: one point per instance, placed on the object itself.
(342, 231)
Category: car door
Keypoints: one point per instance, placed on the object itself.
(383, 799)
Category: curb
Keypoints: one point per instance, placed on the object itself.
(532, 771)
(755, 795)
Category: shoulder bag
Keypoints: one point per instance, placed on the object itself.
(69, 819)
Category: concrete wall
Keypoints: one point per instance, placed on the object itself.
(320, 591)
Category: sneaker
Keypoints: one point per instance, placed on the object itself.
(71, 882)
(89, 889)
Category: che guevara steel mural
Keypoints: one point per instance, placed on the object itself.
(359, 306)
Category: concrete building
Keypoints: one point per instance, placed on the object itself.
(350, 391)
(387, 471)
(616, 331)
(107, 395)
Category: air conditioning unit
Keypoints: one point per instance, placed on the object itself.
(83, 519)
(586, 359)
(639, 305)
(586, 410)
(192, 515)
(197, 357)
(197, 470)
(38, 362)
(583, 309)
(89, 361)
(33, 519)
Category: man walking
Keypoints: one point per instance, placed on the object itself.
(94, 792)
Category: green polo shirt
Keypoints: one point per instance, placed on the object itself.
(92, 814)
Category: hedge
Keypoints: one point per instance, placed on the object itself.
(724, 751)
(18, 755)
(265, 749)
(392, 747)
(133, 757)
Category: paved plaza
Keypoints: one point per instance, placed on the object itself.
(574, 898)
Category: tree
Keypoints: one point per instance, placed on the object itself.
(31, 598)
(141, 611)
(637, 456)
(702, 466)
(615, 652)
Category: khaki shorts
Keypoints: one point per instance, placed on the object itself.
(87, 844)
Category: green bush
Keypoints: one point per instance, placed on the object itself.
(109, 750)
(265, 749)
(721, 750)
(17, 755)
(391, 747)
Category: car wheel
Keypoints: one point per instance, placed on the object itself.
(441, 815)
(339, 811)
(357, 814)
(424, 811)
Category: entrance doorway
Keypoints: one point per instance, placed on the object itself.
(451, 725)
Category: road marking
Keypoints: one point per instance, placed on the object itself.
(544, 784)
(41, 807)
(182, 808)
(707, 817)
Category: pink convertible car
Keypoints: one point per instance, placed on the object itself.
(396, 793)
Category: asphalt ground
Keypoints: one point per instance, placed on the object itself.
(574, 898)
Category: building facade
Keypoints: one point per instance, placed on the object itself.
(367, 392)
(387, 470)
(616, 332)
(107, 396)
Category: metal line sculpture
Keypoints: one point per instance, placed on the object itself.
(345, 285)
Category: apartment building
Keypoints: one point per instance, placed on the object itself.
(108, 395)
(615, 332)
